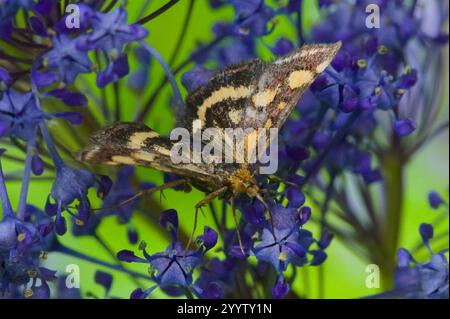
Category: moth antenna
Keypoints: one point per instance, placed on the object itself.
(143, 192)
(279, 180)
(267, 208)
(233, 209)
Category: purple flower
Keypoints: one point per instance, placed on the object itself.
(104, 279)
(22, 237)
(120, 191)
(404, 127)
(8, 10)
(68, 97)
(196, 78)
(70, 184)
(114, 71)
(287, 244)
(404, 258)
(281, 289)
(172, 269)
(111, 32)
(305, 214)
(66, 59)
(140, 78)
(252, 16)
(19, 115)
(435, 200)
(422, 279)
(283, 46)
(426, 231)
(216, 278)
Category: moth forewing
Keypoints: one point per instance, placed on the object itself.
(284, 81)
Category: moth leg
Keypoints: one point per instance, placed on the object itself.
(276, 179)
(205, 201)
(233, 209)
(145, 192)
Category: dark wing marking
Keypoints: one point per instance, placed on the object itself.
(220, 102)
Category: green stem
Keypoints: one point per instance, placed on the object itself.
(392, 166)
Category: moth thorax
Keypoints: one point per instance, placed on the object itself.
(243, 182)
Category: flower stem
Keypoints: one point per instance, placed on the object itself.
(182, 35)
(57, 160)
(299, 21)
(6, 204)
(110, 251)
(392, 168)
(25, 181)
(60, 248)
(117, 104)
(169, 74)
(157, 12)
(148, 105)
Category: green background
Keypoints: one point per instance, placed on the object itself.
(344, 272)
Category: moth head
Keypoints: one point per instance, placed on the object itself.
(243, 182)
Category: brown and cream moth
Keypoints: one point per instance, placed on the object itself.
(253, 94)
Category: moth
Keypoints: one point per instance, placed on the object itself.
(253, 94)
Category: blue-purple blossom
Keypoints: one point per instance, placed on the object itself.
(111, 32)
(70, 187)
(22, 238)
(287, 243)
(173, 268)
(252, 16)
(114, 71)
(140, 78)
(427, 279)
(435, 200)
(19, 115)
(66, 59)
(8, 11)
(404, 127)
(196, 78)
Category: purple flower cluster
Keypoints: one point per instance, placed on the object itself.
(58, 55)
(172, 270)
(23, 242)
(424, 280)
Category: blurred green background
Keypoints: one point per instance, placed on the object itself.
(344, 272)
